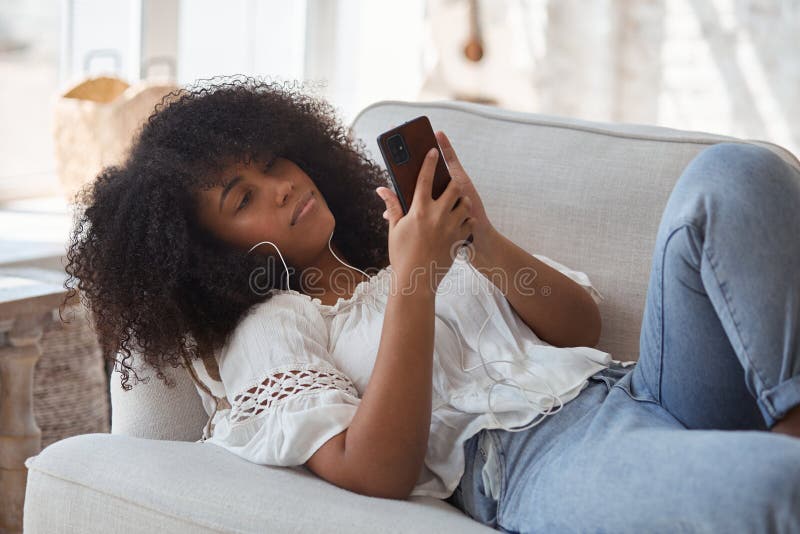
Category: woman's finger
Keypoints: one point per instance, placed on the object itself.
(393, 211)
(447, 150)
(423, 191)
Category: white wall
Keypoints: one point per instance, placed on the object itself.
(363, 51)
(252, 37)
(100, 37)
(352, 52)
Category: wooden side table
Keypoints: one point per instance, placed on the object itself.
(26, 306)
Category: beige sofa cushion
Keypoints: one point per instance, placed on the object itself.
(106, 484)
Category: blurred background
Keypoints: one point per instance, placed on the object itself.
(77, 76)
(723, 66)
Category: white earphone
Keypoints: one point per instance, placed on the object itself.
(287, 268)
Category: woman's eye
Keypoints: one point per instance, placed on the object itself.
(244, 201)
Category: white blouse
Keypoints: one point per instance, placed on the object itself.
(293, 371)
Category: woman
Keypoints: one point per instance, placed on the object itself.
(232, 242)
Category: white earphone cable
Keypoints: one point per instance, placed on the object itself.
(507, 381)
(484, 364)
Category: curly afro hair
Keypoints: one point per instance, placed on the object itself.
(157, 284)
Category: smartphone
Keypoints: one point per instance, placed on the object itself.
(403, 149)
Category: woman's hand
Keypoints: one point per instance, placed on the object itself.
(482, 233)
(424, 241)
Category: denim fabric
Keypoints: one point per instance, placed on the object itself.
(678, 442)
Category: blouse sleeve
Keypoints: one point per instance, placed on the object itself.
(580, 277)
(286, 397)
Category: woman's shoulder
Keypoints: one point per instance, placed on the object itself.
(279, 320)
(285, 307)
(279, 331)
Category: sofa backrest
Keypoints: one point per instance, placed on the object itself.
(586, 194)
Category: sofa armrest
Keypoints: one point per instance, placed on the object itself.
(152, 410)
(112, 483)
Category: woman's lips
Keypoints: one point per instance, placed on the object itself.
(309, 205)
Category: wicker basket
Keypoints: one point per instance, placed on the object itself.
(70, 382)
(94, 124)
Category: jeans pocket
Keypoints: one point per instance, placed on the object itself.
(611, 375)
(638, 393)
(604, 379)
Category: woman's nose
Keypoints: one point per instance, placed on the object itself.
(284, 192)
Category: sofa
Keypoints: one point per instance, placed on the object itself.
(587, 194)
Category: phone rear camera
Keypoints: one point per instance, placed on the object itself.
(397, 148)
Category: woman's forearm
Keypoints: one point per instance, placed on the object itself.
(388, 437)
(555, 307)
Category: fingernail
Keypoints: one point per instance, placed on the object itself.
(380, 192)
(432, 153)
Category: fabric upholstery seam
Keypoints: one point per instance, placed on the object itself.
(188, 521)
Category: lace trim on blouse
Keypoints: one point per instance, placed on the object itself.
(283, 382)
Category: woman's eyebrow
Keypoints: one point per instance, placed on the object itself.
(227, 189)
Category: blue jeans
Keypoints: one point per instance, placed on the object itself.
(678, 442)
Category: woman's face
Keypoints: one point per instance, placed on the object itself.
(258, 202)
